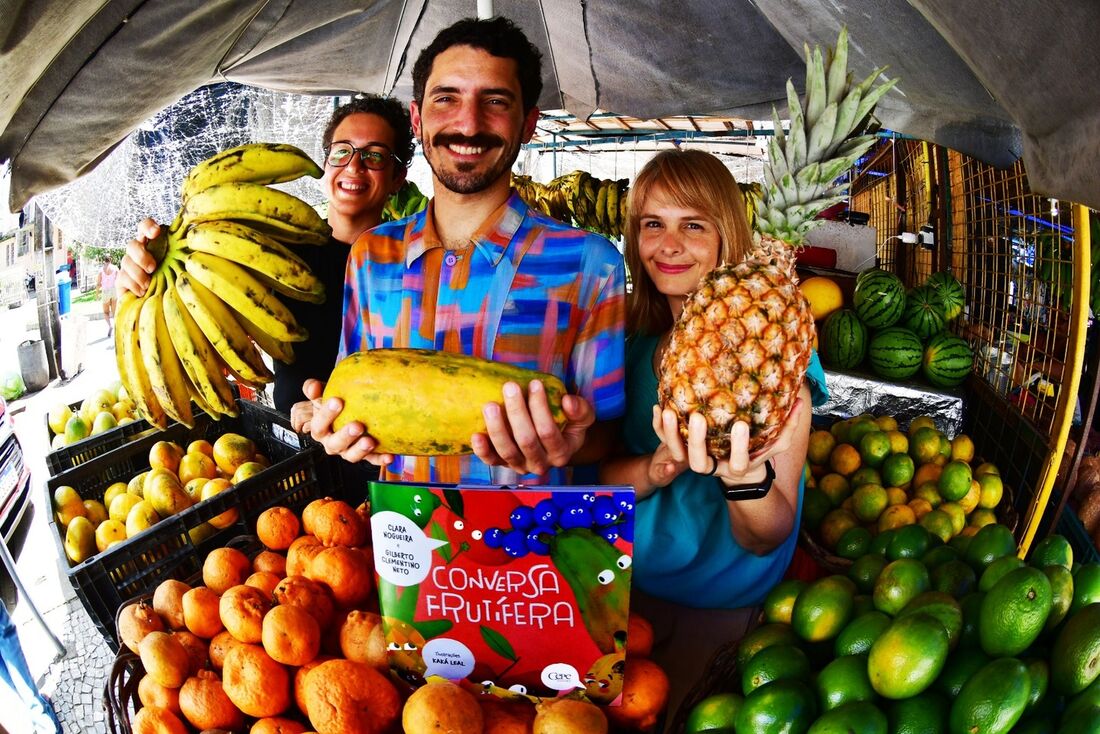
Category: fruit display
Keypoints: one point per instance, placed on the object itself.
(899, 334)
(375, 387)
(212, 303)
(177, 479)
(867, 479)
(99, 412)
(286, 637)
(598, 205)
(742, 343)
(922, 636)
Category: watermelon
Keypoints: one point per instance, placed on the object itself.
(895, 353)
(923, 314)
(950, 292)
(947, 360)
(843, 339)
(879, 298)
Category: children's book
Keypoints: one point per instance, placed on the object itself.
(512, 590)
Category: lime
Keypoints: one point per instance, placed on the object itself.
(993, 700)
(861, 632)
(857, 717)
(899, 442)
(859, 428)
(778, 662)
(957, 514)
(780, 600)
(864, 571)
(1014, 611)
(908, 656)
(854, 543)
(835, 486)
(971, 605)
(997, 570)
(1086, 586)
(881, 542)
(886, 423)
(1053, 550)
(861, 604)
(980, 517)
(954, 577)
(823, 608)
(899, 583)
(874, 447)
(764, 637)
(938, 523)
(1061, 590)
(925, 713)
(897, 470)
(962, 448)
(960, 543)
(961, 665)
(1038, 673)
(715, 712)
(986, 468)
(924, 445)
(820, 446)
(954, 481)
(911, 541)
(942, 607)
(866, 475)
(844, 680)
(919, 422)
(834, 524)
(1075, 655)
(991, 491)
(815, 505)
(868, 501)
(990, 543)
(938, 556)
(782, 706)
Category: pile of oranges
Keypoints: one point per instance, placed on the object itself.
(291, 641)
(864, 477)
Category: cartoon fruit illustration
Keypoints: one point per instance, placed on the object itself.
(599, 575)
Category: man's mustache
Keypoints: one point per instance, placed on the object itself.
(482, 140)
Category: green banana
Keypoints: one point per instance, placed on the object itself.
(258, 163)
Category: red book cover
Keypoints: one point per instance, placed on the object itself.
(506, 589)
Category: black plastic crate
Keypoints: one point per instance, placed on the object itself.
(300, 472)
(86, 449)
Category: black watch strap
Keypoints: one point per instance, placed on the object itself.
(752, 490)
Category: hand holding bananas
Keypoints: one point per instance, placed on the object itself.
(210, 304)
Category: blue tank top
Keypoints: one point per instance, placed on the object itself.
(683, 548)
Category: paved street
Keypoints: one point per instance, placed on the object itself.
(74, 681)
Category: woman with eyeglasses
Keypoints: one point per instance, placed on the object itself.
(367, 146)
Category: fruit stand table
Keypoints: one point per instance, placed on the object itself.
(852, 393)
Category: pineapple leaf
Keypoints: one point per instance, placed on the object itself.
(868, 102)
(816, 93)
(774, 196)
(789, 189)
(779, 136)
(845, 119)
(796, 144)
(839, 80)
(821, 133)
(808, 183)
(777, 160)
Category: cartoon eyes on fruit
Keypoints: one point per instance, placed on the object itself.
(623, 562)
(605, 576)
(459, 525)
(396, 647)
(476, 535)
(518, 688)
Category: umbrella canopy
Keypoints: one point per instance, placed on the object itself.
(994, 80)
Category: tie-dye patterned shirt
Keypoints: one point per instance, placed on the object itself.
(529, 291)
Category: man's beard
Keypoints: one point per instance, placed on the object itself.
(466, 178)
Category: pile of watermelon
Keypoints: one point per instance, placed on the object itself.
(899, 333)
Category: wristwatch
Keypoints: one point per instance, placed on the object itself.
(752, 490)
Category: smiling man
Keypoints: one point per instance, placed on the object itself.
(480, 273)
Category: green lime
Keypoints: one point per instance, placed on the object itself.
(763, 637)
(1061, 589)
(998, 569)
(778, 662)
(815, 505)
(961, 542)
(874, 447)
(941, 606)
(714, 713)
(861, 604)
(823, 608)
(899, 583)
(938, 556)
(971, 605)
(1038, 673)
(954, 482)
(1083, 700)
(858, 717)
(780, 600)
(960, 666)
(993, 700)
(856, 638)
(1035, 724)
(865, 570)
(910, 541)
(925, 713)
(1086, 586)
(908, 656)
(844, 680)
(854, 542)
(1014, 612)
(955, 578)
(940, 524)
(865, 475)
(1075, 655)
(988, 544)
(881, 542)
(868, 501)
(777, 708)
(897, 470)
(859, 428)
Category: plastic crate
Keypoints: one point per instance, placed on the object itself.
(1074, 531)
(86, 449)
(300, 472)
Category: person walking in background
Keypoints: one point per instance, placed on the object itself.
(15, 676)
(105, 284)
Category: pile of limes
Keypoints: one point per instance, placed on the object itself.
(920, 637)
(864, 476)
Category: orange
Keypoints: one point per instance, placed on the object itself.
(314, 597)
(962, 448)
(896, 496)
(929, 493)
(899, 442)
(346, 696)
(992, 489)
(823, 295)
(844, 459)
(265, 581)
(887, 423)
(955, 512)
(204, 703)
(970, 500)
(820, 446)
(442, 706)
(924, 445)
(337, 524)
(151, 693)
(346, 571)
(896, 516)
(271, 562)
(835, 487)
(834, 524)
(156, 720)
(865, 475)
(363, 639)
(200, 612)
(215, 487)
(231, 450)
(242, 609)
(277, 527)
(278, 725)
(291, 635)
(225, 568)
(969, 531)
(954, 483)
(938, 523)
(168, 602)
(869, 501)
(645, 693)
(920, 507)
(927, 473)
(874, 447)
(639, 635)
(923, 421)
(255, 683)
(201, 446)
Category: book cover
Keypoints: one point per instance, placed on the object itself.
(511, 590)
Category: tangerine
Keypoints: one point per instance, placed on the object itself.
(924, 445)
(292, 636)
(255, 683)
(844, 459)
(242, 609)
(896, 516)
(363, 639)
(874, 447)
(346, 697)
(200, 612)
(820, 447)
(225, 568)
(204, 703)
(277, 527)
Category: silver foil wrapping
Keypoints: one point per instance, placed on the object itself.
(855, 393)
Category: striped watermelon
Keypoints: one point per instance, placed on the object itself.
(879, 298)
(895, 353)
(950, 292)
(843, 339)
(923, 314)
(947, 360)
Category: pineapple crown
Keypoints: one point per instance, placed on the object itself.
(827, 135)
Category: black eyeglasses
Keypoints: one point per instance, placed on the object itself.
(374, 157)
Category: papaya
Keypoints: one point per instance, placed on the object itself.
(421, 402)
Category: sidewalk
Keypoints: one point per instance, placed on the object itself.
(75, 681)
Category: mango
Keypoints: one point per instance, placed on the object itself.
(80, 540)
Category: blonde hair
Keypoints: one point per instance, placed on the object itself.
(693, 179)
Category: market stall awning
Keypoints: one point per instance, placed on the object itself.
(994, 80)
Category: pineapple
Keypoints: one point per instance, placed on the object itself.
(742, 344)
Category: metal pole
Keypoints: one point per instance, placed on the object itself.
(9, 564)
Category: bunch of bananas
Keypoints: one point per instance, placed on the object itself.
(1054, 267)
(598, 205)
(406, 201)
(211, 305)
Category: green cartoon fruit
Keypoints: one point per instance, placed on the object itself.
(599, 575)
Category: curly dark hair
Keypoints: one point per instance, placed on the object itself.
(499, 37)
(389, 109)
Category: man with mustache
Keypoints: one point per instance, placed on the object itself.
(480, 273)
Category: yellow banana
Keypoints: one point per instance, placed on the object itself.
(283, 269)
(221, 327)
(159, 358)
(280, 350)
(133, 369)
(614, 226)
(126, 302)
(200, 362)
(196, 396)
(245, 293)
(601, 207)
(259, 163)
(272, 211)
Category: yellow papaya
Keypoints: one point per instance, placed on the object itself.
(421, 402)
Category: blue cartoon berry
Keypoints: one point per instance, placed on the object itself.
(494, 538)
(577, 516)
(604, 511)
(625, 501)
(626, 531)
(522, 518)
(515, 543)
(546, 513)
(610, 534)
(536, 542)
